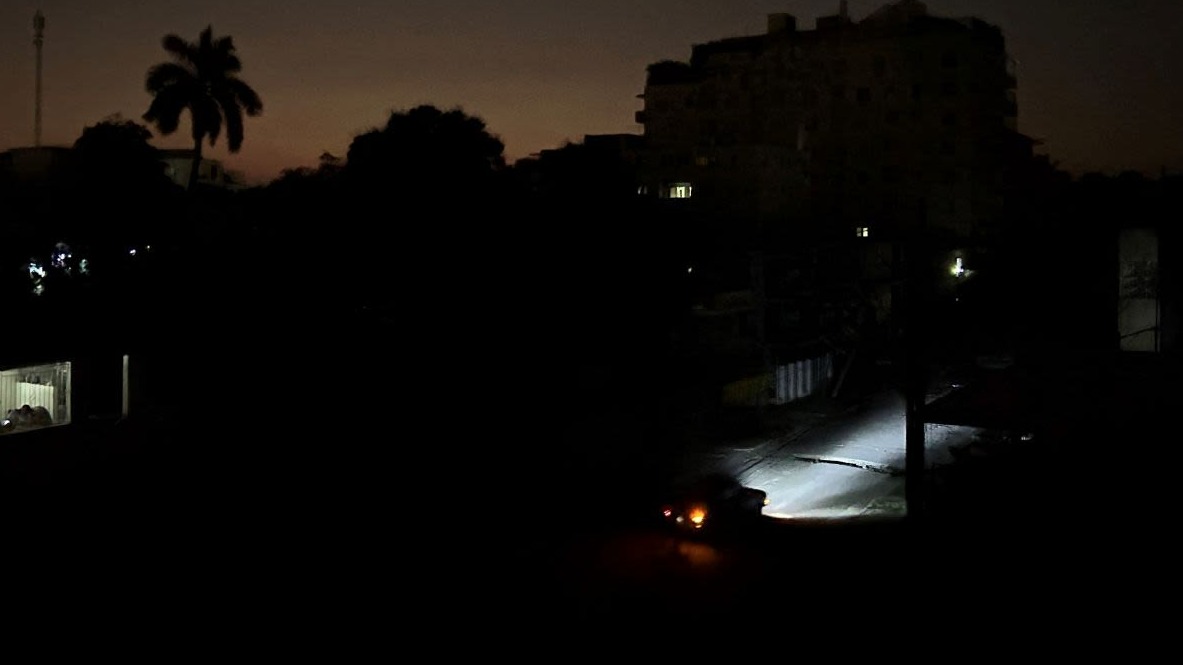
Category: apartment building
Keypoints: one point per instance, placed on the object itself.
(860, 127)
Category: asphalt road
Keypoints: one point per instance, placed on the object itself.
(850, 464)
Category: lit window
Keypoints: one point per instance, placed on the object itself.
(681, 190)
(34, 397)
(958, 268)
(862, 231)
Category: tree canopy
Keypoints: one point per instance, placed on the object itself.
(426, 151)
(203, 79)
(115, 155)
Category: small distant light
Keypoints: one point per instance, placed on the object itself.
(958, 268)
(690, 269)
(148, 247)
(132, 252)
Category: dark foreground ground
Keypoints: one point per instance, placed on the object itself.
(313, 542)
(293, 519)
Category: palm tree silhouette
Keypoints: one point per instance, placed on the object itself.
(202, 78)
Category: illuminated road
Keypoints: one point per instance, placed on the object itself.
(845, 465)
(832, 469)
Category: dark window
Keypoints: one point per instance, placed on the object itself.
(838, 92)
(949, 89)
(947, 148)
(864, 95)
(949, 119)
(916, 92)
(880, 65)
(949, 60)
(893, 117)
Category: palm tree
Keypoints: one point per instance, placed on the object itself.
(202, 78)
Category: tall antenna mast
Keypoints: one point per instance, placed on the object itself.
(38, 40)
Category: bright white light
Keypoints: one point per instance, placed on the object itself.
(36, 270)
(851, 467)
(862, 232)
(690, 269)
(681, 190)
(958, 268)
(60, 254)
(132, 252)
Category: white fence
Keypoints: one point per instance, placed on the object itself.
(803, 378)
(786, 383)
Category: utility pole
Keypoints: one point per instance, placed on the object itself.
(38, 41)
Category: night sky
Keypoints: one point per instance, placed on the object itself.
(1100, 81)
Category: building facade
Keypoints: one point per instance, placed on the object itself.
(178, 165)
(821, 155)
(855, 127)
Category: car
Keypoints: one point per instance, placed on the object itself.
(713, 503)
